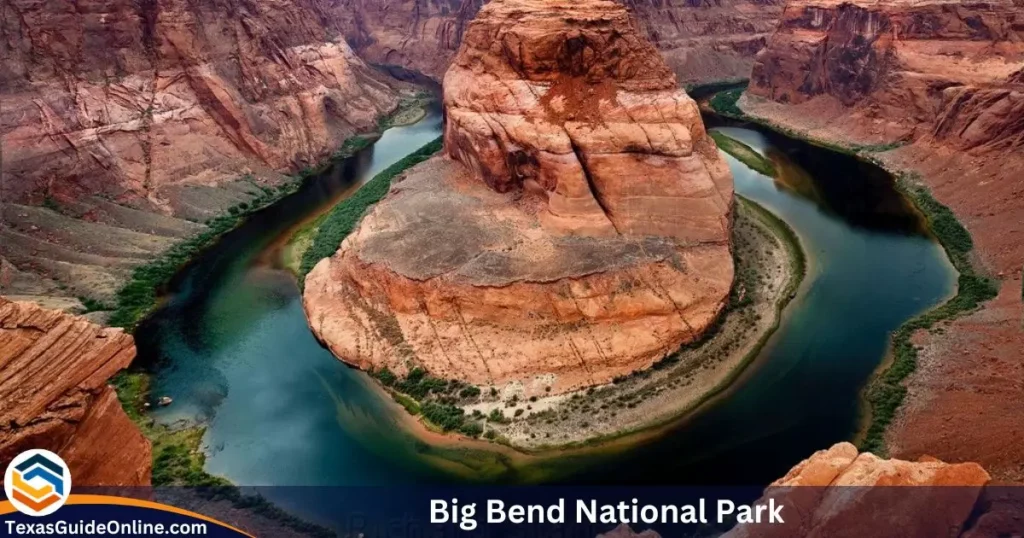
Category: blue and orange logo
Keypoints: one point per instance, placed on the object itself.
(37, 482)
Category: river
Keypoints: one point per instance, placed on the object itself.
(232, 348)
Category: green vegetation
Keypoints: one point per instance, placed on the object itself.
(724, 103)
(886, 392)
(138, 297)
(343, 218)
(745, 154)
(448, 417)
(51, 204)
(434, 398)
(93, 305)
(698, 91)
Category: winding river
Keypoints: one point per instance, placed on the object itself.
(231, 346)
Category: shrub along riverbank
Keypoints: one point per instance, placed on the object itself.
(745, 154)
(886, 392)
(342, 219)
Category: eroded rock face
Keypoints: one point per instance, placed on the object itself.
(54, 395)
(571, 100)
(701, 41)
(838, 492)
(138, 120)
(579, 232)
(122, 98)
(924, 68)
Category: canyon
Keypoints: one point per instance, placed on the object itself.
(933, 91)
(700, 41)
(126, 126)
(576, 230)
(54, 370)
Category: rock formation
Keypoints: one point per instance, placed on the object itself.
(840, 493)
(580, 233)
(114, 107)
(701, 41)
(932, 89)
(921, 68)
(54, 369)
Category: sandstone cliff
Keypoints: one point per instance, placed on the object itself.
(914, 68)
(932, 89)
(701, 41)
(132, 121)
(580, 233)
(839, 493)
(54, 395)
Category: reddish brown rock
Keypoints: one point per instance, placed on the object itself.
(934, 90)
(126, 98)
(701, 41)
(580, 233)
(838, 492)
(126, 124)
(54, 395)
(570, 99)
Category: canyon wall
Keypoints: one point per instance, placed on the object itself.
(54, 369)
(133, 122)
(933, 90)
(577, 230)
(702, 41)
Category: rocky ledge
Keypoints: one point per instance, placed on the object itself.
(54, 369)
(577, 229)
(839, 492)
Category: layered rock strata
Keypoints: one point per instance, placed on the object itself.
(701, 41)
(932, 89)
(138, 120)
(578, 229)
(54, 370)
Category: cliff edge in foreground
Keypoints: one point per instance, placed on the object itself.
(839, 493)
(54, 395)
(577, 230)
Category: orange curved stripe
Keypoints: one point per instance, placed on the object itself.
(32, 503)
(26, 488)
(6, 508)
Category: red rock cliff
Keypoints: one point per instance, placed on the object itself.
(126, 97)
(54, 395)
(701, 41)
(125, 124)
(580, 233)
(932, 89)
(839, 493)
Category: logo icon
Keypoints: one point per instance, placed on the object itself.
(37, 482)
